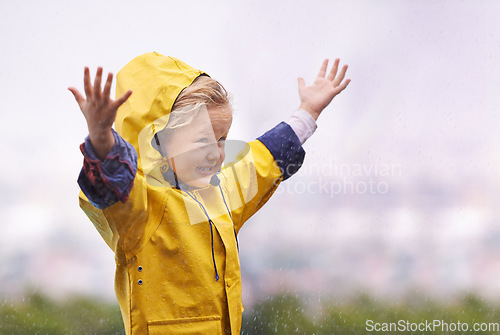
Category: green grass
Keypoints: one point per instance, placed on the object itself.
(38, 314)
(290, 315)
(286, 314)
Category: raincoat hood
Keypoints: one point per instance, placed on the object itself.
(155, 81)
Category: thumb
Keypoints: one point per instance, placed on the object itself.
(78, 97)
(301, 83)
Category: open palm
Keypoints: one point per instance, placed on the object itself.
(316, 97)
(99, 110)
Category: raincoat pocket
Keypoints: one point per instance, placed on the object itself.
(199, 325)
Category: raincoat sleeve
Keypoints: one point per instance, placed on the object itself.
(255, 175)
(107, 182)
(115, 197)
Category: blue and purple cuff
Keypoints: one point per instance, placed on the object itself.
(109, 181)
(285, 147)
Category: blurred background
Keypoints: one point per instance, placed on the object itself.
(397, 200)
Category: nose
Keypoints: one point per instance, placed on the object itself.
(216, 152)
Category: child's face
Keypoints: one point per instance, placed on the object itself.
(196, 151)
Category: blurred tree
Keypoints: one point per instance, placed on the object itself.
(37, 314)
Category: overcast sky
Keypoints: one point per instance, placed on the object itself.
(423, 100)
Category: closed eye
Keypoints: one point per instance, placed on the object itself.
(203, 140)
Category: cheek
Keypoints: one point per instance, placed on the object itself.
(183, 160)
(181, 151)
(222, 153)
(192, 159)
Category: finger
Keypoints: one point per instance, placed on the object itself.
(118, 102)
(107, 86)
(78, 97)
(342, 86)
(333, 72)
(341, 76)
(97, 82)
(322, 71)
(301, 83)
(86, 82)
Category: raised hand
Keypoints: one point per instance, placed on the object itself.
(99, 111)
(314, 98)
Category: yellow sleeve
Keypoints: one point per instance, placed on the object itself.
(126, 226)
(258, 170)
(250, 181)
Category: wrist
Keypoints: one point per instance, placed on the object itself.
(101, 136)
(310, 110)
(102, 142)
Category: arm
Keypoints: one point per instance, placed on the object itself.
(315, 98)
(285, 141)
(110, 163)
(278, 154)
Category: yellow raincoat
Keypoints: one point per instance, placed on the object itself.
(165, 281)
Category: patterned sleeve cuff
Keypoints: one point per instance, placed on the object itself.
(285, 147)
(109, 181)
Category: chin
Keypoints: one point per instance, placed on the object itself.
(200, 182)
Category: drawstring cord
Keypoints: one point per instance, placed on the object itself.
(229, 212)
(211, 229)
(211, 223)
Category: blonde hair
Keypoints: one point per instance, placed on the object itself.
(204, 91)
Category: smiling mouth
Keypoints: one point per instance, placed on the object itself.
(206, 170)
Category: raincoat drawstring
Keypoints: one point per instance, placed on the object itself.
(229, 212)
(211, 223)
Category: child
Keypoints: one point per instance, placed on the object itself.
(158, 194)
